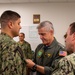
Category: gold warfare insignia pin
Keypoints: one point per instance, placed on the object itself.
(49, 55)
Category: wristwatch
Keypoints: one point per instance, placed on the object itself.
(34, 68)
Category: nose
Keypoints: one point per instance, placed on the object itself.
(20, 27)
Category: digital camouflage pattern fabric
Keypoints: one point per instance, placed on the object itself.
(66, 66)
(11, 60)
(26, 48)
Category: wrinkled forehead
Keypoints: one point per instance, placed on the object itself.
(43, 29)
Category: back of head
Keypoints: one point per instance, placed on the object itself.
(7, 16)
(47, 24)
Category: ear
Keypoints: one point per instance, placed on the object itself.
(10, 24)
(74, 36)
(52, 32)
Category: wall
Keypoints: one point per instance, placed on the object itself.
(60, 14)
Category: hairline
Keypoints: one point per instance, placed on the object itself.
(46, 24)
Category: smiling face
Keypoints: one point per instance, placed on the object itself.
(45, 36)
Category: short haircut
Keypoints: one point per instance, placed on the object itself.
(22, 34)
(72, 29)
(7, 16)
(47, 24)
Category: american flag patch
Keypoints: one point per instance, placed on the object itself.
(62, 53)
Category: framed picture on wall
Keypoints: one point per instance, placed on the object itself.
(36, 18)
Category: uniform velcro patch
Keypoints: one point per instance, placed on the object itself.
(62, 53)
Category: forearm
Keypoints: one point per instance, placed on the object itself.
(44, 69)
(40, 69)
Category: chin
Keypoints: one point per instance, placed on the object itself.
(45, 43)
(16, 35)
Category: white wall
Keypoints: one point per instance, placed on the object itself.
(60, 14)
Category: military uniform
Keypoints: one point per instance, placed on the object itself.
(26, 48)
(48, 56)
(11, 57)
(66, 66)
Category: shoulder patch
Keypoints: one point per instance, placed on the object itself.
(62, 53)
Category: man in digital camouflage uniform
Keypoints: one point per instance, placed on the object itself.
(66, 65)
(26, 48)
(12, 61)
(48, 53)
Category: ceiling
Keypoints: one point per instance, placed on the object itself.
(37, 1)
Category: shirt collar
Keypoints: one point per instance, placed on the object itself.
(52, 44)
